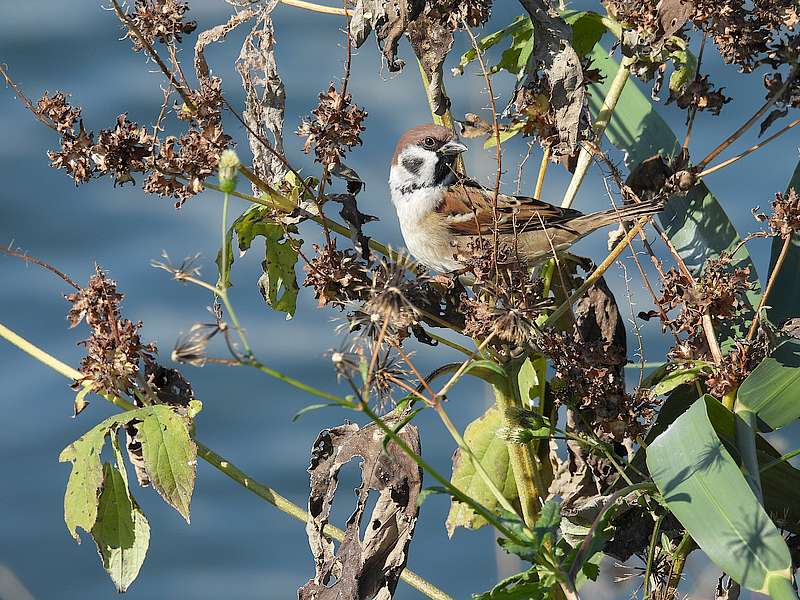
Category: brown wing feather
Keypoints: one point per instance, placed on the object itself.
(468, 210)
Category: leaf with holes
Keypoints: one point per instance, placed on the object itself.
(170, 456)
(85, 480)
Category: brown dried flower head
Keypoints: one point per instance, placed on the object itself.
(207, 103)
(337, 276)
(123, 150)
(335, 128)
(75, 155)
(58, 111)
(785, 218)
(161, 20)
(114, 350)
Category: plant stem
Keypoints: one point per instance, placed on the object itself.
(651, 552)
(562, 309)
(537, 194)
(780, 459)
(453, 490)
(787, 242)
(522, 459)
(750, 150)
(279, 204)
(685, 546)
(298, 384)
(750, 122)
(215, 460)
(328, 10)
(603, 118)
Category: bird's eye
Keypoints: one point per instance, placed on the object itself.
(429, 142)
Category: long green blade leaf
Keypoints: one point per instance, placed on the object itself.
(704, 488)
(772, 390)
(696, 223)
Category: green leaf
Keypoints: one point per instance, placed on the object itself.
(505, 134)
(170, 456)
(489, 371)
(121, 532)
(685, 69)
(313, 407)
(696, 223)
(545, 528)
(520, 24)
(587, 30)
(772, 390)
(677, 377)
(85, 480)
(522, 586)
(278, 284)
(786, 289)
(492, 453)
(705, 490)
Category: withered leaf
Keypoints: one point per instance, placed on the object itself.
(432, 39)
(216, 34)
(265, 100)
(389, 19)
(369, 567)
(554, 68)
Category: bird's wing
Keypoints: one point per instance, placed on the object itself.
(468, 209)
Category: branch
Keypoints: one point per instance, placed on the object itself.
(226, 467)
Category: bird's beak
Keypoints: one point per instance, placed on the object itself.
(452, 149)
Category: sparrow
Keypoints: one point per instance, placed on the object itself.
(441, 212)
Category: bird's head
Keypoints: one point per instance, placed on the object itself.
(425, 157)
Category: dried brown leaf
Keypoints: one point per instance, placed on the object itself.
(369, 567)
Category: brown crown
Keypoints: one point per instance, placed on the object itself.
(415, 136)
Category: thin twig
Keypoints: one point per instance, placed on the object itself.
(537, 194)
(773, 276)
(749, 151)
(24, 99)
(751, 121)
(319, 8)
(30, 259)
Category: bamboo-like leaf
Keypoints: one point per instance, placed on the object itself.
(786, 289)
(675, 378)
(696, 223)
(170, 456)
(772, 390)
(704, 488)
(492, 453)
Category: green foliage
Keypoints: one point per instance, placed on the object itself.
(677, 377)
(703, 487)
(772, 390)
(515, 57)
(492, 453)
(121, 531)
(588, 29)
(98, 498)
(278, 284)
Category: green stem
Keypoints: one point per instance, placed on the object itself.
(299, 384)
(453, 490)
(780, 459)
(603, 118)
(685, 546)
(651, 552)
(521, 457)
(215, 460)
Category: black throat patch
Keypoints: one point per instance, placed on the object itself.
(444, 171)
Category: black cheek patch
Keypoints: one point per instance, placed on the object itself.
(412, 165)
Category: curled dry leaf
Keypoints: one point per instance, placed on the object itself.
(265, 99)
(368, 567)
(554, 71)
(389, 19)
(432, 39)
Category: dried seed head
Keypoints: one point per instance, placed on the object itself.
(335, 128)
(75, 156)
(785, 218)
(123, 150)
(337, 276)
(161, 20)
(191, 347)
(58, 111)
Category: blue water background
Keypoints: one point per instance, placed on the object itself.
(237, 546)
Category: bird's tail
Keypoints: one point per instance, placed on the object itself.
(627, 212)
